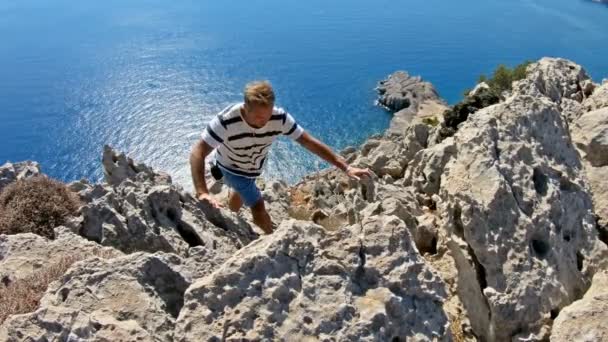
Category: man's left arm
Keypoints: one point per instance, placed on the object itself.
(320, 149)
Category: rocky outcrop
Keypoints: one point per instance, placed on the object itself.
(131, 298)
(515, 205)
(590, 135)
(585, 319)
(117, 167)
(598, 99)
(364, 283)
(562, 81)
(409, 98)
(141, 210)
(489, 234)
(10, 172)
(24, 255)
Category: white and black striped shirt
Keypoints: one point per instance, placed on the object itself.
(242, 149)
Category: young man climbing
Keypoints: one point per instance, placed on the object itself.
(242, 135)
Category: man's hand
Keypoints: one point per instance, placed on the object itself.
(205, 197)
(356, 173)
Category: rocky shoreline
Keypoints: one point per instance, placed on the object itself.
(497, 233)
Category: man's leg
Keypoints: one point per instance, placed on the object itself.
(261, 217)
(234, 201)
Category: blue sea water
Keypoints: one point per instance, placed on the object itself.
(146, 75)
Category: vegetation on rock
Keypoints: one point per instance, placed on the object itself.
(500, 82)
(36, 205)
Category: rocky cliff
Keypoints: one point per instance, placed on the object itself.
(496, 233)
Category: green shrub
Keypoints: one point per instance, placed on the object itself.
(431, 121)
(501, 81)
(503, 77)
(36, 205)
(461, 111)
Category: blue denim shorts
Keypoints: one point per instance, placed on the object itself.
(245, 187)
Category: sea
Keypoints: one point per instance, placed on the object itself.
(145, 76)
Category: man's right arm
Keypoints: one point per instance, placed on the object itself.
(200, 151)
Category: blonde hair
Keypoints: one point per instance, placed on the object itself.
(259, 92)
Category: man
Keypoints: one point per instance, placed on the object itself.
(242, 135)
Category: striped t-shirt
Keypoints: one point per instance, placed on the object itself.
(242, 149)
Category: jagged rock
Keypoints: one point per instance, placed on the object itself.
(369, 145)
(145, 212)
(276, 197)
(590, 134)
(387, 158)
(571, 109)
(408, 97)
(459, 113)
(10, 172)
(424, 172)
(348, 151)
(479, 88)
(519, 216)
(400, 90)
(416, 138)
(23, 255)
(555, 78)
(138, 294)
(118, 167)
(598, 99)
(585, 319)
(364, 283)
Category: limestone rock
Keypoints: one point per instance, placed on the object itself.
(585, 319)
(145, 212)
(598, 99)
(555, 78)
(388, 158)
(424, 171)
(23, 255)
(136, 296)
(519, 216)
(364, 283)
(10, 172)
(590, 133)
(118, 167)
(478, 88)
(408, 97)
(400, 90)
(276, 197)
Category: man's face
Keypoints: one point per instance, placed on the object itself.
(257, 115)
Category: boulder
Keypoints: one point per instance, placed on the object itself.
(590, 135)
(117, 167)
(136, 297)
(557, 79)
(585, 319)
(598, 99)
(518, 214)
(25, 255)
(144, 211)
(366, 282)
(10, 172)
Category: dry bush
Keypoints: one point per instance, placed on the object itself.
(36, 205)
(333, 223)
(299, 212)
(23, 295)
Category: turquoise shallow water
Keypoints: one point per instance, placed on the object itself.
(145, 76)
